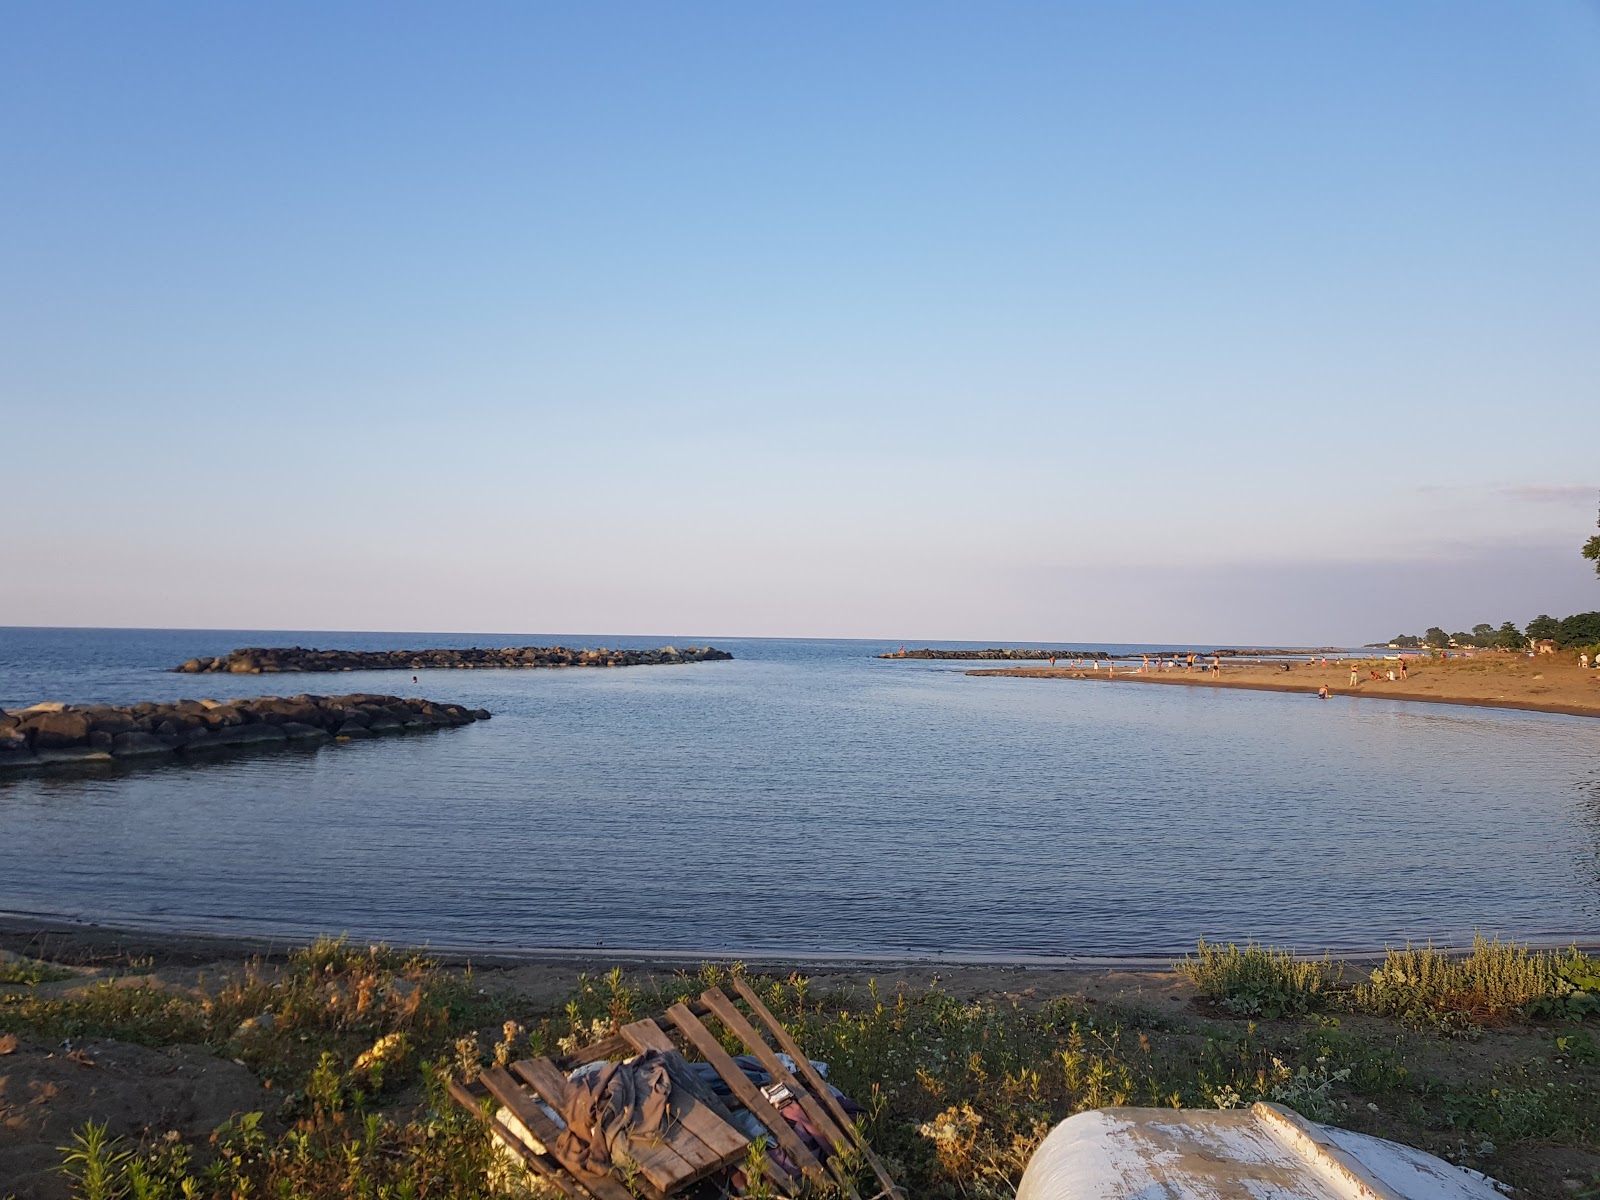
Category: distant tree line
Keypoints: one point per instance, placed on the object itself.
(1580, 629)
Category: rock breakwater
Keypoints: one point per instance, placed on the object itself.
(65, 734)
(996, 653)
(271, 660)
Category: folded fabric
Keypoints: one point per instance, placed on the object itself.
(608, 1109)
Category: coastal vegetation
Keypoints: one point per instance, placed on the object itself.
(1497, 982)
(1578, 630)
(353, 1047)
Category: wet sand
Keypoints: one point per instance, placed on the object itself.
(1548, 683)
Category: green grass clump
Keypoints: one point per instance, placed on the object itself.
(29, 973)
(1497, 981)
(1260, 981)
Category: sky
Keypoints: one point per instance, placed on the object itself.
(1159, 322)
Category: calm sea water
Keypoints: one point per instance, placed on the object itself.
(809, 798)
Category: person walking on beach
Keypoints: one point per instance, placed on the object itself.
(1216, 667)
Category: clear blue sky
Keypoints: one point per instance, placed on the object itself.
(1125, 322)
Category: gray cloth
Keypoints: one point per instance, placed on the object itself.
(606, 1109)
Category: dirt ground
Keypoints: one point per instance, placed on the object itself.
(47, 1091)
(1548, 683)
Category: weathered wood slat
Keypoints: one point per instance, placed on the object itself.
(660, 1162)
(696, 1104)
(615, 1046)
(546, 1170)
(790, 1047)
(648, 1035)
(545, 1078)
(523, 1106)
(746, 1092)
(717, 1001)
(470, 1097)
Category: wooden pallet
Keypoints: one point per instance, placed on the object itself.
(703, 1146)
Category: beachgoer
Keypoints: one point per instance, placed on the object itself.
(1352, 677)
(1052, 660)
(413, 679)
(1322, 692)
(1402, 668)
(1216, 665)
(1583, 661)
(1391, 674)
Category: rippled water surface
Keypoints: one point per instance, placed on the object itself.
(807, 797)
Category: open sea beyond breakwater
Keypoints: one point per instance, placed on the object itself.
(810, 798)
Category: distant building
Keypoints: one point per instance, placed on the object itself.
(1544, 646)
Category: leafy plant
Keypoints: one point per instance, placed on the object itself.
(1260, 981)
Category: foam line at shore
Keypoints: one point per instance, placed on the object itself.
(209, 943)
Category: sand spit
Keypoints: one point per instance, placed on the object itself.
(1541, 684)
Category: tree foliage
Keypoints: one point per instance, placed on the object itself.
(1591, 550)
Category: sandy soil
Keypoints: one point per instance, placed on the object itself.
(1543, 684)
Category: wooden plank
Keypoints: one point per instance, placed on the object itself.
(615, 1046)
(717, 1001)
(471, 1096)
(662, 1163)
(746, 1092)
(544, 1077)
(524, 1107)
(790, 1047)
(546, 1170)
(648, 1035)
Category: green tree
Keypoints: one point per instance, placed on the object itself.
(1580, 629)
(1543, 626)
(1405, 641)
(1510, 637)
(1483, 635)
(1436, 637)
(1591, 550)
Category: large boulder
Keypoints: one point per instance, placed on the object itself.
(57, 730)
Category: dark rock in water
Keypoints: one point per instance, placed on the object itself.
(135, 743)
(59, 735)
(263, 660)
(56, 730)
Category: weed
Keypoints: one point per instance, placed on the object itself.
(1497, 981)
(30, 972)
(1260, 981)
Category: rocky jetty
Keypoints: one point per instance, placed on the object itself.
(64, 734)
(986, 654)
(271, 660)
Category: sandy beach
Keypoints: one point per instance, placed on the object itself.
(1544, 684)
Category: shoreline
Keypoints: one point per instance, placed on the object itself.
(92, 940)
(1520, 675)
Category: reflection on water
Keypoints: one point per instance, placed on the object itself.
(807, 797)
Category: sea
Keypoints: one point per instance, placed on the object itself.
(808, 800)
